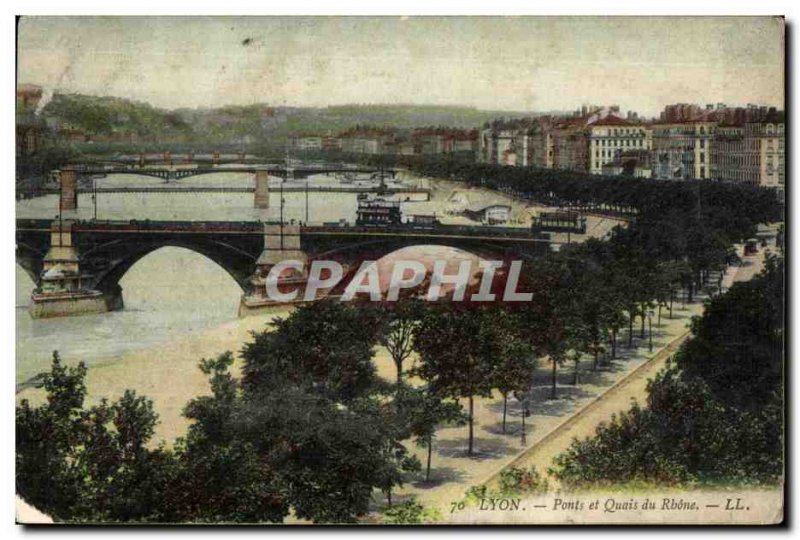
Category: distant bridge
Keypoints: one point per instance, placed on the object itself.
(25, 194)
(69, 179)
(178, 173)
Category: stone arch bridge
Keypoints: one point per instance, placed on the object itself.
(77, 265)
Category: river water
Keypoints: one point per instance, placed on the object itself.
(171, 292)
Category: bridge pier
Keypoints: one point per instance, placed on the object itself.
(68, 178)
(281, 243)
(262, 189)
(61, 290)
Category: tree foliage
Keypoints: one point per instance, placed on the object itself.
(715, 415)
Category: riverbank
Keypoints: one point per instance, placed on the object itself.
(167, 374)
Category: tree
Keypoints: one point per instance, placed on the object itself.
(226, 476)
(714, 416)
(318, 456)
(422, 411)
(547, 320)
(74, 466)
(516, 363)
(399, 319)
(47, 437)
(325, 347)
(457, 354)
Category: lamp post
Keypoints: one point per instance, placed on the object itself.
(94, 196)
(60, 204)
(282, 201)
(650, 324)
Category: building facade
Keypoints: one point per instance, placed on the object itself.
(610, 137)
(682, 150)
(752, 153)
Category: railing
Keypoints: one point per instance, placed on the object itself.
(257, 227)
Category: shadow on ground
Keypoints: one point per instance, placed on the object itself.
(484, 448)
(439, 476)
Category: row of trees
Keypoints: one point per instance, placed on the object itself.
(714, 416)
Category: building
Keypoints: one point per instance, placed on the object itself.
(306, 143)
(498, 146)
(635, 163)
(579, 143)
(752, 153)
(610, 137)
(540, 150)
(682, 150)
(465, 142)
(680, 112)
(488, 213)
(372, 141)
(570, 145)
(29, 127)
(28, 97)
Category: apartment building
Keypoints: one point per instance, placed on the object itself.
(752, 153)
(609, 137)
(682, 150)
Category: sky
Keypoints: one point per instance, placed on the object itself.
(494, 63)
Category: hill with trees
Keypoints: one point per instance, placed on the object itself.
(259, 128)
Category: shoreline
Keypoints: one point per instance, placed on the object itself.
(166, 373)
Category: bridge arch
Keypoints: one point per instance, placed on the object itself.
(29, 257)
(25, 282)
(109, 262)
(377, 248)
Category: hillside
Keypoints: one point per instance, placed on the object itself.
(117, 120)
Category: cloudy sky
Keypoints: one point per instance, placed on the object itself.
(518, 63)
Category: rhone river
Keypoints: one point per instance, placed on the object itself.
(169, 293)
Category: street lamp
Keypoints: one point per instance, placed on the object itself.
(282, 201)
(523, 397)
(650, 324)
(94, 196)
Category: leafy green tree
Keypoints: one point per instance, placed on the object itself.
(398, 321)
(325, 347)
(226, 477)
(421, 411)
(458, 354)
(514, 370)
(46, 439)
(715, 415)
(91, 464)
